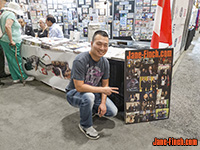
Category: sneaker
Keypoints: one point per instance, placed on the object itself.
(29, 79)
(16, 81)
(90, 132)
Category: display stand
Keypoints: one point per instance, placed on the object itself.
(37, 9)
(92, 28)
(147, 84)
(83, 11)
(123, 19)
(144, 19)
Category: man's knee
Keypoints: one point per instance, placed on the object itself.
(113, 112)
(88, 98)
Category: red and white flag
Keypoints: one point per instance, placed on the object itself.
(162, 31)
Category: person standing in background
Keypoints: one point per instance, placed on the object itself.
(11, 41)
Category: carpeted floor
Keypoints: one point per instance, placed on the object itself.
(185, 95)
(37, 117)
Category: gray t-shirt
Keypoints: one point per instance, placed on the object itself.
(86, 69)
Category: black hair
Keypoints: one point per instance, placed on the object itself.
(21, 17)
(51, 18)
(99, 32)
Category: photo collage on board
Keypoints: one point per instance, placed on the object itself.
(144, 19)
(147, 87)
(123, 19)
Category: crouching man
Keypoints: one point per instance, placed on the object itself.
(89, 85)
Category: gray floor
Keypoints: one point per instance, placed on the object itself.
(37, 117)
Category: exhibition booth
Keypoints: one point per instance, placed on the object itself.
(143, 75)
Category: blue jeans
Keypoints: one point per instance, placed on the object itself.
(88, 104)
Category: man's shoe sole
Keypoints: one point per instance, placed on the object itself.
(90, 137)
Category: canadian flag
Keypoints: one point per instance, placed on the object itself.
(162, 30)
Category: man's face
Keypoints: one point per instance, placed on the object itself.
(22, 23)
(49, 23)
(99, 46)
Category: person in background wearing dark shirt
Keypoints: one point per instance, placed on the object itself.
(44, 31)
(26, 29)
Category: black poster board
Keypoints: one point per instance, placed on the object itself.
(147, 84)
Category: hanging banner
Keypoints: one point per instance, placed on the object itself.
(147, 84)
(48, 66)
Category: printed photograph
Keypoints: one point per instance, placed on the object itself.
(162, 113)
(148, 83)
(132, 117)
(132, 106)
(132, 85)
(133, 97)
(162, 103)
